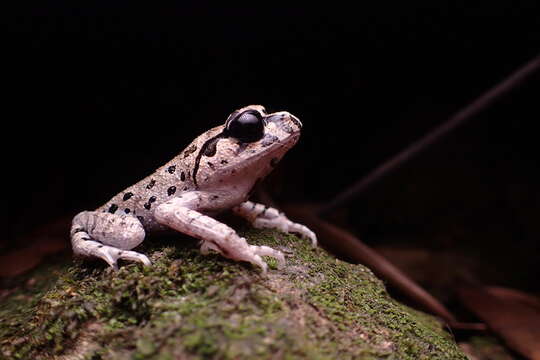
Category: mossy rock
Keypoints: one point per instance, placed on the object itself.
(190, 306)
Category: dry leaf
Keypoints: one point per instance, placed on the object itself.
(45, 240)
(513, 315)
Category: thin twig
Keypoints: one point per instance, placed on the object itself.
(481, 103)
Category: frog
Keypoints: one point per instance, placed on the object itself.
(217, 172)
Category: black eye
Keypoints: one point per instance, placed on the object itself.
(246, 127)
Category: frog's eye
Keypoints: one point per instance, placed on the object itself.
(247, 126)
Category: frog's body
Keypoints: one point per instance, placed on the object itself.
(216, 172)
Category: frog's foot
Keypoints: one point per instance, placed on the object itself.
(262, 216)
(111, 254)
(215, 235)
(101, 235)
(249, 253)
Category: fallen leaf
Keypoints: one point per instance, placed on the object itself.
(511, 314)
(515, 295)
(45, 240)
(485, 348)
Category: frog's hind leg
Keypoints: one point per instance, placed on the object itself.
(107, 236)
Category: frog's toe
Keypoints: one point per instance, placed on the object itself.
(268, 251)
(134, 256)
(206, 246)
(285, 225)
(105, 255)
(306, 233)
(111, 255)
(257, 260)
(248, 254)
(303, 231)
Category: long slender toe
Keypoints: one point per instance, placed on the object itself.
(268, 251)
(261, 264)
(135, 256)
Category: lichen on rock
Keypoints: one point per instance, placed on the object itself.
(191, 306)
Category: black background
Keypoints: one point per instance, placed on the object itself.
(98, 96)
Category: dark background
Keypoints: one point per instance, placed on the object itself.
(98, 96)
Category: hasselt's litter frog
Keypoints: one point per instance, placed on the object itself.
(216, 172)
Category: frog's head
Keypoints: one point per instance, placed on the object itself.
(246, 147)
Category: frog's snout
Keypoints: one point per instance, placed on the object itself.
(296, 120)
(281, 116)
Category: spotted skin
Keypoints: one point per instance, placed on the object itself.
(216, 172)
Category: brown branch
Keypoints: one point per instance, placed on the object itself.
(481, 103)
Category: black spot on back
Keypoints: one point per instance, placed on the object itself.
(211, 147)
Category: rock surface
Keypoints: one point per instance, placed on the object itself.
(190, 306)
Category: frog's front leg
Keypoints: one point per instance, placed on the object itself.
(181, 214)
(107, 236)
(261, 216)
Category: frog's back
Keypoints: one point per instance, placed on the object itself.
(168, 181)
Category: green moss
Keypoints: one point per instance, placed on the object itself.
(205, 307)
